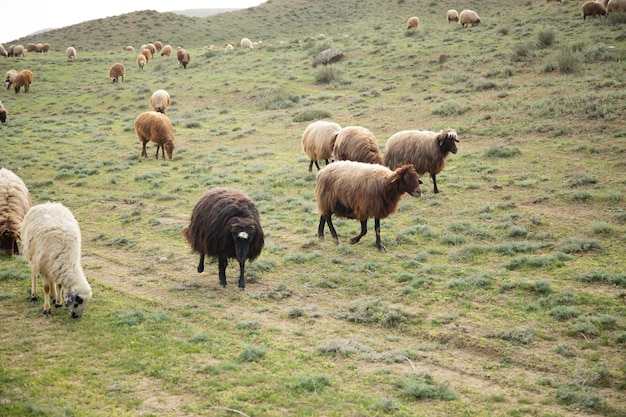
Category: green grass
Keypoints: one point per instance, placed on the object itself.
(500, 296)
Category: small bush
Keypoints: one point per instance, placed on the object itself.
(421, 387)
(521, 53)
(326, 75)
(568, 61)
(582, 397)
(503, 152)
(311, 383)
(564, 312)
(546, 38)
(516, 337)
(252, 353)
(577, 245)
(311, 114)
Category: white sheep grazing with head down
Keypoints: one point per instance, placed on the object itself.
(246, 43)
(413, 23)
(160, 100)
(425, 150)
(167, 50)
(51, 242)
(452, 16)
(318, 141)
(70, 53)
(468, 17)
(14, 203)
(9, 77)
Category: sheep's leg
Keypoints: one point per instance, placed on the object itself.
(242, 278)
(317, 165)
(144, 153)
(320, 228)
(201, 263)
(434, 177)
(58, 295)
(156, 155)
(326, 160)
(223, 262)
(16, 250)
(331, 227)
(46, 297)
(311, 165)
(33, 290)
(379, 244)
(363, 232)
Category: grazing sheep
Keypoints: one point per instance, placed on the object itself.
(425, 150)
(158, 45)
(229, 47)
(183, 57)
(129, 48)
(318, 141)
(10, 50)
(147, 53)
(245, 43)
(616, 6)
(116, 71)
(357, 143)
(358, 190)
(46, 48)
(31, 47)
(51, 243)
(9, 77)
(413, 23)
(141, 61)
(70, 53)
(24, 78)
(14, 203)
(592, 8)
(225, 224)
(18, 50)
(468, 17)
(167, 50)
(156, 127)
(3, 113)
(3, 51)
(160, 101)
(452, 16)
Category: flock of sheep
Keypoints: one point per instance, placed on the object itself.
(602, 7)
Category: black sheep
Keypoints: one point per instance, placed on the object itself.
(225, 224)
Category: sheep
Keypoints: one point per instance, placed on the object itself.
(413, 23)
(246, 43)
(228, 47)
(592, 8)
(452, 16)
(156, 127)
(357, 143)
(46, 47)
(10, 50)
(24, 78)
(167, 50)
(14, 204)
(225, 224)
(18, 50)
(425, 150)
(468, 17)
(160, 101)
(318, 141)
(116, 71)
(618, 6)
(141, 61)
(183, 57)
(51, 243)
(147, 53)
(158, 45)
(70, 53)
(3, 51)
(129, 48)
(9, 77)
(357, 190)
(3, 113)
(31, 47)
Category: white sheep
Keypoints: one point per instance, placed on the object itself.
(70, 53)
(51, 242)
(246, 43)
(228, 47)
(618, 6)
(357, 143)
(167, 50)
(468, 17)
(9, 77)
(160, 100)
(425, 150)
(318, 141)
(14, 203)
(413, 23)
(3, 51)
(358, 190)
(452, 16)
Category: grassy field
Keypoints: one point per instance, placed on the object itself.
(504, 295)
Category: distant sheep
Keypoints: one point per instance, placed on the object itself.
(9, 77)
(116, 72)
(18, 50)
(167, 50)
(183, 57)
(318, 141)
(425, 150)
(51, 243)
(46, 47)
(158, 45)
(14, 204)
(616, 6)
(147, 53)
(592, 8)
(413, 23)
(357, 190)
(3, 113)
(245, 43)
(160, 101)
(141, 61)
(357, 143)
(225, 224)
(3, 52)
(156, 127)
(152, 48)
(10, 50)
(24, 78)
(452, 16)
(129, 48)
(468, 17)
(70, 53)
(228, 47)
(31, 47)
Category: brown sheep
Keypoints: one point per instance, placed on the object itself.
(183, 57)
(158, 45)
(618, 6)
(452, 16)
(356, 190)
(31, 47)
(18, 50)
(413, 23)
(357, 143)
(318, 141)
(14, 204)
(129, 48)
(24, 78)
(3, 113)
(167, 50)
(46, 47)
(592, 8)
(141, 61)
(147, 53)
(156, 127)
(468, 17)
(116, 71)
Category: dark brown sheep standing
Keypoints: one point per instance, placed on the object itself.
(183, 57)
(592, 8)
(358, 190)
(225, 224)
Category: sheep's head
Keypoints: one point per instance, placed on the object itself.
(7, 242)
(169, 148)
(447, 140)
(243, 234)
(77, 302)
(406, 180)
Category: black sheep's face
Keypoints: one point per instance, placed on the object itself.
(242, 237)
(76, 303)
(448, 140)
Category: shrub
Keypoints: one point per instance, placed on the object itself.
(568, 61)
(421, 387)
(581, 397)
(503, 152)
(311, 383)
(546, 38)
(311, 114)
(326, 75)
(252, 353)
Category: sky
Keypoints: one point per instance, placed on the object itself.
(54, 14)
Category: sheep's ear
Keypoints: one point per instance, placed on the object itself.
(441, 138)
(70, 298)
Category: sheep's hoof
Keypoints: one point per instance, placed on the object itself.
(242, 288)
(46, 313)
(336, 240)
(34, 298)
(382, 248)
(58, 305)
